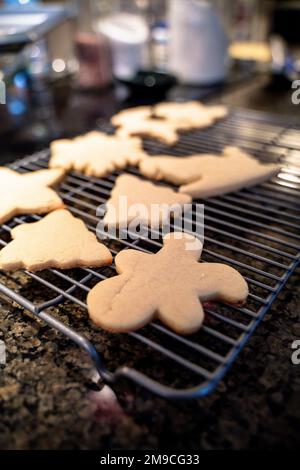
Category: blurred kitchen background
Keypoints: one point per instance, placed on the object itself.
(67, 66)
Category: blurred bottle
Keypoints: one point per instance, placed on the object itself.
(125, 26)
(198, 44)
(94, 61)
(93, 52)
(159, 45)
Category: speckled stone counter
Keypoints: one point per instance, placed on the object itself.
(49, 398)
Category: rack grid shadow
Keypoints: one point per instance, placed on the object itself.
(255, 230)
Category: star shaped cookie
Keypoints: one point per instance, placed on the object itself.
(28, 192)
(96, 154)
(203, 176)
(149, 204)
(59, 240)
(168, 285)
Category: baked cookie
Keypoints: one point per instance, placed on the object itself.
(140, 121)
(155, 128)
(142, 201)
(137, 113)
(28, 192)
(96, 154)
(203, 176)
(168, 285)
(164, 120)
(189, 115)
(59, 240)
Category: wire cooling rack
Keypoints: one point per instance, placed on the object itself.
(255, 230)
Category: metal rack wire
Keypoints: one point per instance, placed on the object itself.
(255, 230)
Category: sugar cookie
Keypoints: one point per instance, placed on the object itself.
(190, 115)
(139, 121)
(168, 285)
(164, 120)
(156, 128)
(28, 192)
(59, 240)
(203, 176)
(96, 154)
(143, 201)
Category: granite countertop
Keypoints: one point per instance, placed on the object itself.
(49, 398)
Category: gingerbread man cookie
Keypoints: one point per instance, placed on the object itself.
(28, 192)
(203, 176)
(96, 154)
(59, 240)
(168, 285)
(142, 201)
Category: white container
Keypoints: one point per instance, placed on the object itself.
(128, 34)
(198, 43)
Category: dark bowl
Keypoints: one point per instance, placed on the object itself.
(148, 81)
